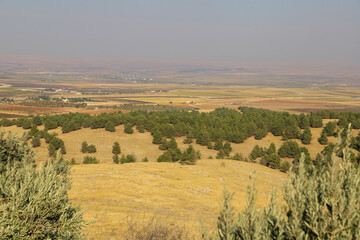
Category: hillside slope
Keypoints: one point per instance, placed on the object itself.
(112, 193)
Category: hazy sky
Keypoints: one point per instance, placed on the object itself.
(223, 30)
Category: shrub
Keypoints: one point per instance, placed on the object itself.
(91, 148)
(145, 159)
(90, 160)
(285, 166)
(237, 157)
(116, 159)
(165, 157)
(128, 159)
(158, 227)
(85, 148)
(34, 203)
(220, 154)
(73, 162)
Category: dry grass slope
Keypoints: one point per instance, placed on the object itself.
(111, 192)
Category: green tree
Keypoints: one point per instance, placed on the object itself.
(218, 144)
(116, 149)
(316, 121)
(172, 144)
(110, 126)
(274, 160)
(84, 147)
(289, 149)
(140, 128)
(90, 160)
(189, 156)
(303, 121)
(306, 136)
(91, 148)
(188, 140)
(34, 131)
(36, 120)
(165, 157)
(323, 140)
(256, 152)
(271, 149)
(51, 150)
(157, 137)
(127, 159)
(329, 128)
(116, 159)
(220, 154)
(128, 128)
(164, 144)
(227, 148)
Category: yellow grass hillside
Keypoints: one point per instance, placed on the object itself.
(112, 193)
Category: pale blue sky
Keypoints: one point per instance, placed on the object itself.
(227, 30)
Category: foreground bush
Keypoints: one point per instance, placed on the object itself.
(34, 203)
(321, 203)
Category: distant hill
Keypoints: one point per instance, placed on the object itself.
(180, 71)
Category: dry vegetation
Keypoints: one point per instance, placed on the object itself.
(112, 193)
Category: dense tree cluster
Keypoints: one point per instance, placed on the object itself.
(222, 124)
(216, 129)
(174, 154)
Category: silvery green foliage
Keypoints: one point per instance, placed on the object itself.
(317, 204)
(34, 203)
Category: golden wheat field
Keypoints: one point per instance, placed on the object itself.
(111, 194)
